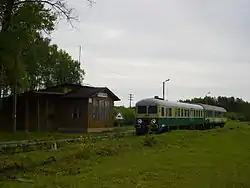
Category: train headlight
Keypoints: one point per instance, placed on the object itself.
(153, 121)
(139, 121)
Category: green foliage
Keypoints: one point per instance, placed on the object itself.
(149, 140)
(106, 150)
(237, 108)
(214, 158)
(27, 59)
(127, 113)
(85, 151)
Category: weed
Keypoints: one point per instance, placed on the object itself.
(106, 150)
(149, 140)
(85, 151)
(49, 160)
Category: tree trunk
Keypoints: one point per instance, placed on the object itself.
(14, 107)
(38, 115)
(26, 115)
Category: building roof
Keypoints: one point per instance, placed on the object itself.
(77, 91)
(72, 91)
(87, 91)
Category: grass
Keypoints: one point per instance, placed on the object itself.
(210, 158)
(18, 136)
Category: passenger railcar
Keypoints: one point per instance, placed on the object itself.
(155, 115)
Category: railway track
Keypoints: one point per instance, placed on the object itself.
(14, 144)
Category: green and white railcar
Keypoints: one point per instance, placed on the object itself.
(214, 115)
(158, 115)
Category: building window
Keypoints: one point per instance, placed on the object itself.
(101, 110)
(76, 113)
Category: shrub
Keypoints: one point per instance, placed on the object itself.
(106, 151)
(149, 141)
(84, 152)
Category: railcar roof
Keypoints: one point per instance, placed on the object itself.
(154, 101)
(214, 108)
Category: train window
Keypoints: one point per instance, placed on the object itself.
(162, 111)
(182, 112)
(170, 112)
(185, 113)
(188, 113)
(152, 109)
(141, 109)
(179, 112)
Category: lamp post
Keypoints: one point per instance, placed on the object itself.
(163, 88)
(207, 94)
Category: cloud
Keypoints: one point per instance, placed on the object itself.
(131, 46)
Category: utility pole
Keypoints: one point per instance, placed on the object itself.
(80, 51)
(130, 100)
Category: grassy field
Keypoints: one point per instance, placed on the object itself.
(196, 159)
(8, 136)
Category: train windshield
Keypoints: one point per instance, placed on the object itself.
(152, 109)
(141, 109)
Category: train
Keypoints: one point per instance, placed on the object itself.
(156, 115)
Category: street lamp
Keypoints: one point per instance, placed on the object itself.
(207, 94)
(163, 88)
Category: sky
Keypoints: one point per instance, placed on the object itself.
(132, 46)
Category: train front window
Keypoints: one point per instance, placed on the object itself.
(152, 109)
(141, 109)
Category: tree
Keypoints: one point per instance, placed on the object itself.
(21, 23)
(237, 108)
(127, 113)
(50, 66)
(7, 8)
(16, 18)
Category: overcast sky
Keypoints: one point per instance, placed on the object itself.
(131, 46)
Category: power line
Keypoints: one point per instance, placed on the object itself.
(130, 99)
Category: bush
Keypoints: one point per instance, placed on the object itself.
(149, 141)
(7, 165)
(84, 152)
(107, 151)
